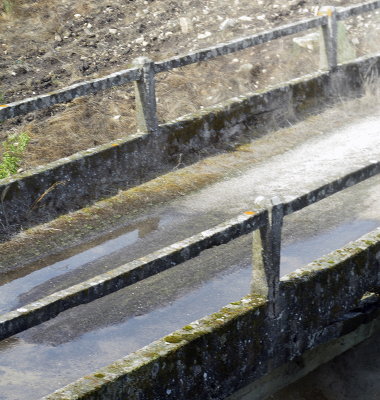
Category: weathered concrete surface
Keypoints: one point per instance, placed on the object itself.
(223, 352)
(340, 379)
(350, 376)
(84, 176)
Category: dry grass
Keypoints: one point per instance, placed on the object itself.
(85, 123)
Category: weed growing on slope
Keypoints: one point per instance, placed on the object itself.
(14, 147)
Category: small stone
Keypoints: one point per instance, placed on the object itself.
(57, 38)
(355, 41)
(245, 68)
(186, 24)
(112, 31)
(245, 18)
(261, 17)
(77, 16)
(140, 40)
(204, 35)
(228, 23)
(167, 34)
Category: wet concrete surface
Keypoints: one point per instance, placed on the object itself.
(88, 337)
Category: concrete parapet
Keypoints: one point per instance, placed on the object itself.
(220, 354)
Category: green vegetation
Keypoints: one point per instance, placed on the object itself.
(7, 6)
(14, 147)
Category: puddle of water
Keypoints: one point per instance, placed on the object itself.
(106, 245)
(11, 291)
(60, 365)
(299, 254)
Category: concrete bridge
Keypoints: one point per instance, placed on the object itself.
(247, 348)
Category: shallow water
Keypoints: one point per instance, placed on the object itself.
(298, 254)
(17, 283)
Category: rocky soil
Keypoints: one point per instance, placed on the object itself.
(47, 45)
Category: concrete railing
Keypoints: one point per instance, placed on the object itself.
(265, 221)
(144, 69)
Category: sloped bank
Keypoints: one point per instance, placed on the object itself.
(76, 180)
(221, 354)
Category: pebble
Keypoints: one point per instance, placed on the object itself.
(228, 23)
(205, 35)
(245, 18)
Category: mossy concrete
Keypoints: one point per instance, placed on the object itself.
(220, 354)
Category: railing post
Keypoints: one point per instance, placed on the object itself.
(261, 261)
(329, 39)
(145, 93)
(276, 229)
(267, 254)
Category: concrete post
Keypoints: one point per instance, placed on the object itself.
(145, 93)
(329, 39)
(261, 262)
(276, 228)
(266, 254)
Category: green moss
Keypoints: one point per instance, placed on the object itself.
(173, 339)
(188, 328)
(99, 375)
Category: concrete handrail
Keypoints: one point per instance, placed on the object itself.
(145, 69)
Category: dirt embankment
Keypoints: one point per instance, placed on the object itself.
(47, 45)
